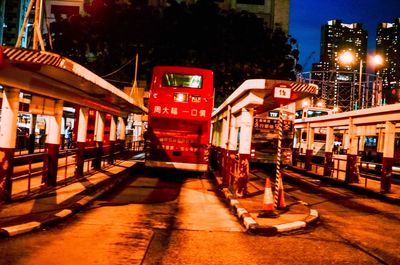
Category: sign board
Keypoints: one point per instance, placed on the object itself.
(282, 93)
(271, 124)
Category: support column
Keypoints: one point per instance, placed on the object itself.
(53, 143)
(122, 133)
(113, 137)
(388, 157)
(379, 151)
(232, 144)
(361, 147)
(62, 136)
(98, 138)
(8, 128)
(32, 135)
(346, 141)
(246, 130)
(352, 158)
(83, 118)
(328, 166)
(224, 168)
(310, 149)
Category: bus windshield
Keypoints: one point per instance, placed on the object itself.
(182, 80)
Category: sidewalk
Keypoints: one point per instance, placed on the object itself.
(60, 202)
(297, 214)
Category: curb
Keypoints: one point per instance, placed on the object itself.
(252, 226)
(63, 214)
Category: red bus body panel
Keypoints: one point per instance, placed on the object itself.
(179, 120)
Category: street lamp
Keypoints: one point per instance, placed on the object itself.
(348, 58)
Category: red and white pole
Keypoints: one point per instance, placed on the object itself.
(278, 159)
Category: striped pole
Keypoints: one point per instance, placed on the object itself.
(278, 158)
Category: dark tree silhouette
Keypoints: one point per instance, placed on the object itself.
(235, 45)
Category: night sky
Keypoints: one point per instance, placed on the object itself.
(307, 17)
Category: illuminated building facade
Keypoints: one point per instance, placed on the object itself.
(388, 45)
(339, 82)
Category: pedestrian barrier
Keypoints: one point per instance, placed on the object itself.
(366, 171)
(69, 160)
(31, 170)
(34, 170)
(228, 166)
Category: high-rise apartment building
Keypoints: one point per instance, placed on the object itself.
(388, 45)
(339, 82)
(337, 37)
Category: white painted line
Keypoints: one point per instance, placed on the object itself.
(241, 211)
(20, 229)
(234, 202)
(63, 213)
(248, 221)
(85, 200)
(290, 226)
(313, 213)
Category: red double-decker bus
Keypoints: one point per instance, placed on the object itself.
(180, 106)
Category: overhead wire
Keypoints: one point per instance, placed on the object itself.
(119, 69)
(118, 81)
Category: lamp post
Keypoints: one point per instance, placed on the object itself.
(360, 100)
(348, 58)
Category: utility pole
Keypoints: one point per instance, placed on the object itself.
(134, 85)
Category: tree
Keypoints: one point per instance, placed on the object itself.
(235, 45)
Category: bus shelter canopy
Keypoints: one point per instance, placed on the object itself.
(51, 75)
(258, 94)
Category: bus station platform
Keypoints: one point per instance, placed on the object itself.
(58, 203)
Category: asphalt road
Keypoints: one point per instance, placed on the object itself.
(165, 217)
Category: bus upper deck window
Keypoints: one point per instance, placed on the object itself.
(182, 80)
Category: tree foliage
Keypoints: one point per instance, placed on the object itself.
(235, 45)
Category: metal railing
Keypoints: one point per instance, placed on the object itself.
(233, 171)
(36, 167)
(65, 157)
(30, 170)
(366, 171)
